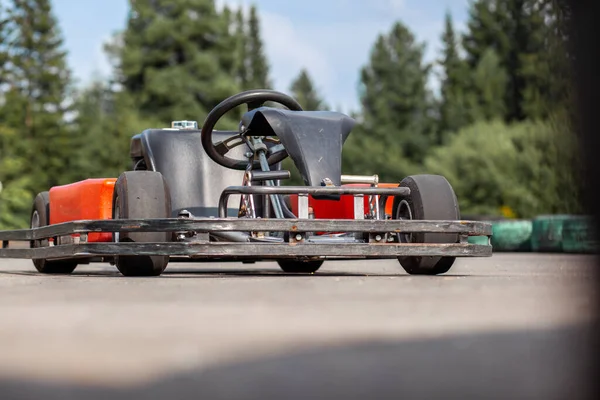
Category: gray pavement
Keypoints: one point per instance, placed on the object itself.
(514, 325)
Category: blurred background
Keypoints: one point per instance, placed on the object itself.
(477, 91)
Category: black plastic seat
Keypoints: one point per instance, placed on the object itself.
(195, 181)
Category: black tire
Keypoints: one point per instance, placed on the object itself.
(40, 216)
(431, 198)
(141, 194)
(299, 266)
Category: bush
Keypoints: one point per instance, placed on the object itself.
(529, 167)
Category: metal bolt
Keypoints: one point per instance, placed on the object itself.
(181, 236)
(378, 238)
(298, 237)
(249, 154)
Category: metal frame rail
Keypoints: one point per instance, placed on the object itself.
(69, 240)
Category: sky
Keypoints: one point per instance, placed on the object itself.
(332, 39)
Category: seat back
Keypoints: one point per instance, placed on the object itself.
(195, 181)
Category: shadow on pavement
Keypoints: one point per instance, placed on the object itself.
(551, 364)
(204, 273)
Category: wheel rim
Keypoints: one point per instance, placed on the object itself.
(404, 213)
(35, 220)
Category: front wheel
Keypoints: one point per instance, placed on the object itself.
(141, 195)
(431, 198)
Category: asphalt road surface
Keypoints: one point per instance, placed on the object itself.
(510, 326)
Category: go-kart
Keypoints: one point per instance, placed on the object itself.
(214, 195)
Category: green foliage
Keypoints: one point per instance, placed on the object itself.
(259, 66)
(489, 87)
(396, 127)
(107, 121)
(306, 94)
(529, 167)
(36, 144)
(455, 111)
(252, 67)
(174, 58)
(527, 49)
(4, 54)
(15, 195)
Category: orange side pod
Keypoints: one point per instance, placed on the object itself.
(89, 199)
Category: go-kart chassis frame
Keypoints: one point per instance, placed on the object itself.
(198, 238)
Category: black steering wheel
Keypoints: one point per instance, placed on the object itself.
(254, 99)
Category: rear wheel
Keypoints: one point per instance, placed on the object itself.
(140, 195)
(431, 198)
(299, 266)
(40, 216)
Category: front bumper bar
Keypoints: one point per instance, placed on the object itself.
(237, 250)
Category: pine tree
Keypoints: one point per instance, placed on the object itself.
(174, 58)
(394, 95)
(15, 199)
(454, 108)
(35, 146)
(489, 86)
(4, 47)
(252, 68)
(546, 71)
(242, 72)
(517, 31)
(108, 120)
(227, 41)
(396, 125)
(304, 91)
(39, 85)
(15, 195)
(258, 61)
(487, 26)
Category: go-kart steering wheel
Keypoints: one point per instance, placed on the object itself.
(254, 99)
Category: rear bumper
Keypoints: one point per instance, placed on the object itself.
(70, 239)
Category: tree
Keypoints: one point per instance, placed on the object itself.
(174, 58)
(489, 86)
(34, 81)
(4, 47)
(396, 125)
(546, 72)
(242, 72)
(518, 33)
(252, 66)
(258, 62)
(304, 91)
(15, 195)
(108, 120)
(39, 83)
(454, 107)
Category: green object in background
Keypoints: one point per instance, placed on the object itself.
(478, 240)
(547, 234)
(579, 236)
(511, 235)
